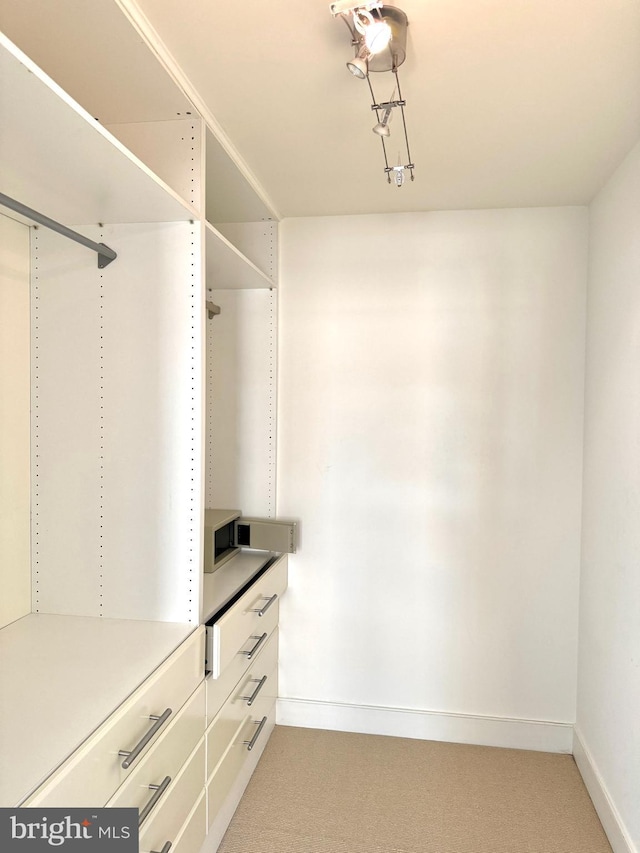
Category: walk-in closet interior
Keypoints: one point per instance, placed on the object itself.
(281, 442)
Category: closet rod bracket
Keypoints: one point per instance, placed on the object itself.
(105, 254)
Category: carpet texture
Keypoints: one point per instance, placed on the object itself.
(334, 792)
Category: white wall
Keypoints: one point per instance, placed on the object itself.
(15, 565)
(608, 721)
(430, 440)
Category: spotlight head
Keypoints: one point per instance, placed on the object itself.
(382, 128)
(358, 67)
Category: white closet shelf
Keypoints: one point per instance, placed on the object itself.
(57, 159)
(61, 677)
(228, 268)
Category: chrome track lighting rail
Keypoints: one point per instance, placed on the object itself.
(378, 38)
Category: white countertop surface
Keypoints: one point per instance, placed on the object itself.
(60, 678)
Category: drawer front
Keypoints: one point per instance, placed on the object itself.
(237, 757)
(166, 756)
(94, 771)
(246, 619)
(168, 816)
(219, 689)
(192, 835)
(259, 686)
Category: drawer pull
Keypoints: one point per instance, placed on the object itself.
(262, 610)
(252, 652)
(251, 699)
(251, 743)
(137, 749)
(165, 849)
(158, 791)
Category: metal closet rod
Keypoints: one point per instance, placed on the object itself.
(105, 254)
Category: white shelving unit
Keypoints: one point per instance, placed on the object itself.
(136, 395)
(116, 428)
(58, 160)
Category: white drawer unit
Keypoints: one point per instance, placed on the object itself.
(226, 785)
(93, 773)
(192, 834)
(252, 697)
(167, 755)
(218, 689)
(242, 629)
(174, 800)
(242, 656)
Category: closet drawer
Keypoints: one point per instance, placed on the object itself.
(167, 755)
(260, 687)
(194, 830)
(167, 817)
(238, 631)
(91, 775)
(239, 757)
(219, 689)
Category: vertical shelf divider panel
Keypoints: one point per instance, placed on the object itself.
(117, 424)
(240, 402)
(151, 381)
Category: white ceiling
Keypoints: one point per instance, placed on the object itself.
(509, 102)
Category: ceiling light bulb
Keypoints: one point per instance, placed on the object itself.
(399, 175)
(377, 36)
(359, 65)
(382, 128)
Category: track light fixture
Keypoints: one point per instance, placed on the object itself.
(379, 38)
(382, 128)
(359, 65)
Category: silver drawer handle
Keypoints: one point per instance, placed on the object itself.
(251, 743)
(251, 699)
(131, 755)
(262, 610)
(165, 849)
(158, 791)
(252, 652)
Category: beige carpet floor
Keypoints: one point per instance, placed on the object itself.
(334, 792)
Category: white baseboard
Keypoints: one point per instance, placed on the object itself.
(619, 838)
(426, 725)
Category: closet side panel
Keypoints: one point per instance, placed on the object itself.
(66, 426)
(241, 402)
(15, 572)
(117, 430)
(151, 503)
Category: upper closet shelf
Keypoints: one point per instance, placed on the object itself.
(228, 268)
(57, 159)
